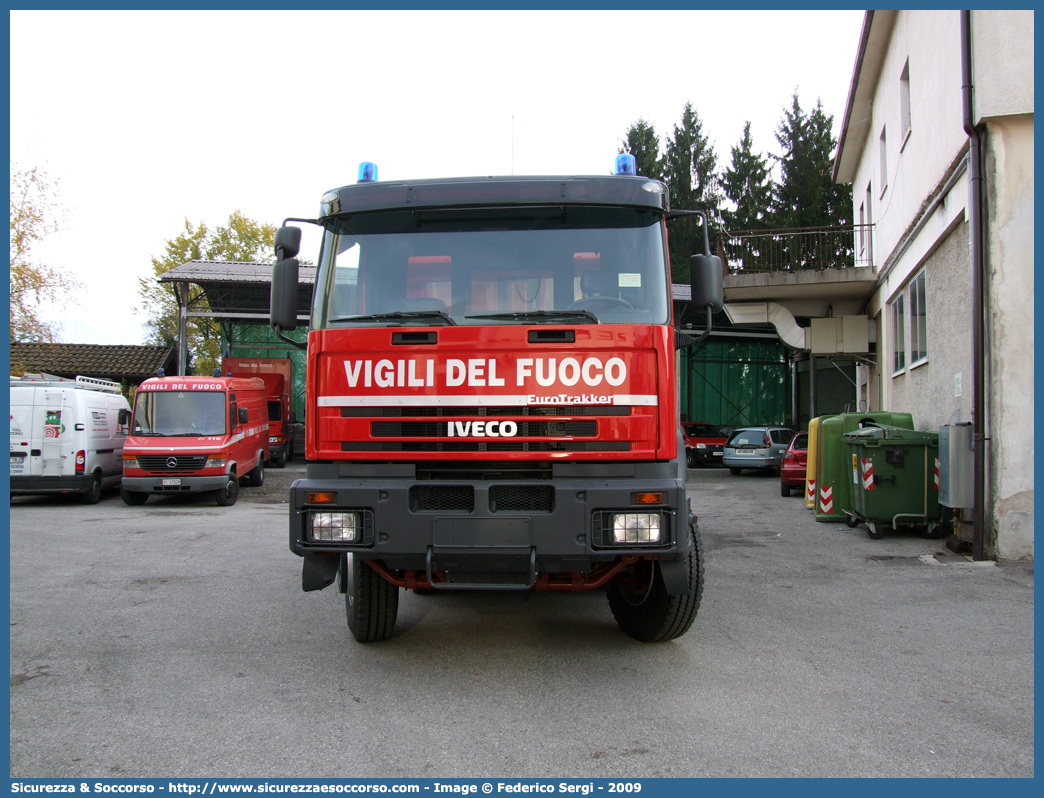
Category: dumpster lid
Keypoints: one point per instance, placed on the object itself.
(894, 435)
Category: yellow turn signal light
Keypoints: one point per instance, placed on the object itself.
(324, 497)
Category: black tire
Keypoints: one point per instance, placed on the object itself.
(290, 451)
(657, 616)
(784, 488)
(735, 471)
(256, 477)
(371, 604)
(226, 496)
(852, 521)
(875, 531)
(94, 493)
(278, 460)
(133, 498)
(690, 458)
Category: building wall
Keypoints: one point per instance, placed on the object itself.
(915, 164)
(1008, 171)
(926, 390)
(917, 168)
(1002, 58)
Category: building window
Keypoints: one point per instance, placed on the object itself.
(884, 160)
(898, 335)
(918, 320)
(904, 103)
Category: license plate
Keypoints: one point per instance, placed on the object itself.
(172, 482)
(744, 451)
(17, 465)
(718, 454)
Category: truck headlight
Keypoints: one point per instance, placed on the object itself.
(273, 439)
(336, 527)
(130, 461)
(636, 527)
(215, 462)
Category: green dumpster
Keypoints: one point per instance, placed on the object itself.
(833, 473)
(892, 478)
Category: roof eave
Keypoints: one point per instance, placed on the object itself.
(873, 45)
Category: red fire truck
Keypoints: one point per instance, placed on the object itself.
(277, 374)
(491, 395)
(195, 434)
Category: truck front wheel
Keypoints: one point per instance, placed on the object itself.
(227, 495)
(371, 603)
(649, 613)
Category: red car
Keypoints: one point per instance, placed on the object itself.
(704, 443)
(792, 469)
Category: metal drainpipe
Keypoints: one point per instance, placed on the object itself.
(975, 237)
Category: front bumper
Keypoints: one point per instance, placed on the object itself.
(187, 484)
(27, 486)
(477, 539)
(710, 454)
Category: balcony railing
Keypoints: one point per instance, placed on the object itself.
(798, 249)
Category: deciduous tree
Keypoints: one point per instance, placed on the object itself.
(241, 239)
(34, 215)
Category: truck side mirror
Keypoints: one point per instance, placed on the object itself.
(284, 294)
(244, 416)
(123, 417)
(705, 273)
(287, 242)
(293, 417)
(283, 306)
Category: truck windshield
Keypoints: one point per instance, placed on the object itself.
(542, 265)
(179, 413)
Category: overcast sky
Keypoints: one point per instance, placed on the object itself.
(148, 118)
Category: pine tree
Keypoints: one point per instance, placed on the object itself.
(748, 186)
(642, 142)
(690, 169)
(806, 195)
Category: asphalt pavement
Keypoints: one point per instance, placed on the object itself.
(173, 640)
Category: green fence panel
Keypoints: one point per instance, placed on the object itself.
(736, 382)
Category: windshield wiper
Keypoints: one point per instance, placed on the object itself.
(539, 316)
(401, 315)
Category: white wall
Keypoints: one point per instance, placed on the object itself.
(931, 41)
(1009, 169)
(1002, 59)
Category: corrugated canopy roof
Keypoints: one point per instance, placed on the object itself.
(238, 290)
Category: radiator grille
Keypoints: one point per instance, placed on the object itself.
(182, 463)
(522, 498)
(442, 498)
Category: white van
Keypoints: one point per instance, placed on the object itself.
(67, 436)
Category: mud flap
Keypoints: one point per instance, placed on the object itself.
(675, 577)
(318, 571)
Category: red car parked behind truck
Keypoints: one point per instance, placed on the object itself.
(195, 434)
(277, 374)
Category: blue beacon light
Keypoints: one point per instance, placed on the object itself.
(625, 164)
(367, 172)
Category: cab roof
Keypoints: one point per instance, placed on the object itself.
(461, 192)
